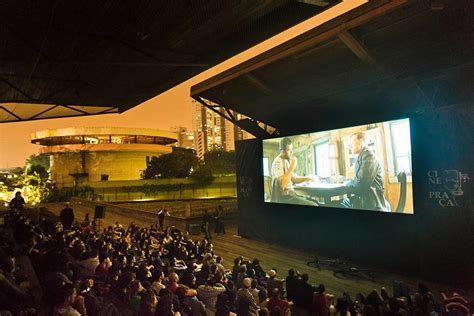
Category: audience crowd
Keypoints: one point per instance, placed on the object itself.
(149, 271)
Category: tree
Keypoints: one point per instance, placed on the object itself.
(38, 164)
(39, 160)
(178, 164)
(220, 162)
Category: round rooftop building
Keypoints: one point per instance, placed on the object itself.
(90, 154)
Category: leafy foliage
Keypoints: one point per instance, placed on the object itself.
(35, 188)
(220, 162)
(178, 164)
(38, 160)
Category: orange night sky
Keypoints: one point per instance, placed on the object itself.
(171, 108)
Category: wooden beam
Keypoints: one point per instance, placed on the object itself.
(356, 47)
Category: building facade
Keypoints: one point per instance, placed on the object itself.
(212, 130)
(90, 154)
(185, 137)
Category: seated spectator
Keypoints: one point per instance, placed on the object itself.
(277, 301)
(173, 282)
(241, 276)
(11, 295)
(148, 304)
(342, 308)
(223, 305)
(102, 269)
(70, 304)
(135, 298)
(208, 293)
(319, 305)
(165, 306)
(374, 304)
(158, 278)
(189, 304)
(245, 302)
(291, 283)
(254, 289)
(259, 273)
(423, 298)
(273, 282)
(189, 280)
(236, 268)
(91, 263)
(220, 265)
(304, 294)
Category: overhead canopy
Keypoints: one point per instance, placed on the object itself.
(108, 56)
(384, 58)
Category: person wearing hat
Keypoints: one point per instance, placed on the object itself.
(273, 282)
(245, 301)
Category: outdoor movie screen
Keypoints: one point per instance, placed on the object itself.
(366, 167)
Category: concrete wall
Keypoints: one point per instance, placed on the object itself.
(161, 189)
(117, 165)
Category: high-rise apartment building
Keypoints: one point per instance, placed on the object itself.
(211, 130)
(185, 137)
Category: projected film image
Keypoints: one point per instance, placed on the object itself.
(366, 167)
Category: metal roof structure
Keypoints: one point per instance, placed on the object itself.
(383, 58)
(70, 58)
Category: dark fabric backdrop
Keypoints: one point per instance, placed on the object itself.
(435, 243)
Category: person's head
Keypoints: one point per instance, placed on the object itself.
(149, 298)
(275, 293)
(286, 148)
(272, 273)
(173, 277)
(291, 272)
(136, 287)
(181, 293)
(423, 289)
(357, 142)
(219, 259)
(341, 306)
(237, 261)
(247, 283)
(321, 288)
(18, 194)
(67, 293)
(165, 305)
(254, 284)
(304, 277)
(158, 276)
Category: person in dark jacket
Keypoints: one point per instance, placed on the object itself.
(366, 186)
(16, 204)
(67, 217)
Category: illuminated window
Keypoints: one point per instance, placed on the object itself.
(397, 139)
(401, 147)
(266, 168)
(322, 161)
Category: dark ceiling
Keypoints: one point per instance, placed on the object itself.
(396, 61)
(117, 54)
